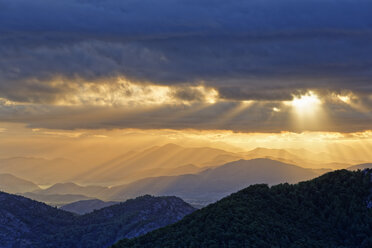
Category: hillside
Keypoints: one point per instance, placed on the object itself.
(24, 221)
(86, 206)
(13, 184)
(31, 224)
(333, 210)
(213, 184)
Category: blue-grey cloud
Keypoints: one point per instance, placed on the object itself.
(248, 50)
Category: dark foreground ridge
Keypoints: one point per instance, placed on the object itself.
(27, 223)
(332, 210)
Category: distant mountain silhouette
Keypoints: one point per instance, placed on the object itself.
(213, 184)
(261, 152)
(56, 200)
(180, 170)
(86, 206)
(360, 166)
(201, 188)
(71, 188)
(39, 170)
(31, 224)
(13, 184)
(334, 210)
(299, 157)
(166, 159)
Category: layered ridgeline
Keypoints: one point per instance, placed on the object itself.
(13, 184)
(201, 188)
(333, 210)
(166, 160)
(213, 184)
(28, 223)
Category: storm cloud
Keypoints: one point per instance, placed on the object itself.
(261, 50)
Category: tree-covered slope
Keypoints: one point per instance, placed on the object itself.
(329, 211)
(24, 221)
(27, 223)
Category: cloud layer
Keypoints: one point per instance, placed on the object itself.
(265, 51)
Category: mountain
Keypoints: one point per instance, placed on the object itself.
(213, 184)
(86, 206)
(360, 166)
(198, 189)
(12, 184)
(24, 221)
(56, 199)
(333, 210)
(39, 170)
(31, 224)
(180, 170)
(61, 194)
(133, 165)
(300, 157)
(72, 188)
(261, 152)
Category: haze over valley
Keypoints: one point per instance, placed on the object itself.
(199, 175)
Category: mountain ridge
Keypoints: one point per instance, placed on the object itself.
(86, 206)
(28, 223)
(12, 184)
(213, 184)
(329, 211)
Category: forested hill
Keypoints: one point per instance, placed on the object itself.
(333, 210)
(25, 223)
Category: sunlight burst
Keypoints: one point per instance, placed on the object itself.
(306, 104)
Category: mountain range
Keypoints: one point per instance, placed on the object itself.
(333, 210)
(194, 174)
(213, 184)
(56, 200)
(13, 184)
(200, 189)
(166, 160)
(163, 160)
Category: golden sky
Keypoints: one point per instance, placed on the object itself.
(72, 84)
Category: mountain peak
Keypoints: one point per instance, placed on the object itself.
(171, 146)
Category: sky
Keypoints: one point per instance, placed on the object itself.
(253, 72)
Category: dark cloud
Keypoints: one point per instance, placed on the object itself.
(188, 94)
(264, 50)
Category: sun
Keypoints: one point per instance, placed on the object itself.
(307, 112)
(306, 104)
